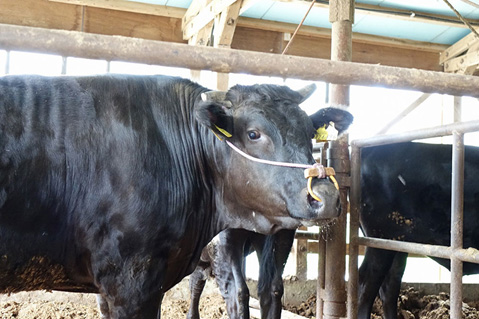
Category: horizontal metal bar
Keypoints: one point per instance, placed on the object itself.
(302, 234)
(467, 255)
(96, 46)
(462, 127)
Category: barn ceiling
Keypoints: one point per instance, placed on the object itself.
(424, 34)
(430, 21)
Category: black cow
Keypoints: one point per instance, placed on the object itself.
(406, 195)
(224, 259)
(114, 184)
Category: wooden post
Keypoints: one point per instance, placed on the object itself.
(341, 15)
(301, 255)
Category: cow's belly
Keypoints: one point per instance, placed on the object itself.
(39, 273)
(41, 261)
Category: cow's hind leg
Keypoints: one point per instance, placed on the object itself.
(391, 286)
(272, 256)
(373, 271)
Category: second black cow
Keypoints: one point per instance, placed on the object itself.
(406, 195)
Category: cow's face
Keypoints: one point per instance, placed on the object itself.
(265, 122)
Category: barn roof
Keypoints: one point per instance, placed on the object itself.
(430, 21)
(423, 34)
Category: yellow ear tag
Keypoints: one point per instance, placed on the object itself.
(321, 134)
(225, 132)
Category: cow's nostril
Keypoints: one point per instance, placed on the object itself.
(316, 205)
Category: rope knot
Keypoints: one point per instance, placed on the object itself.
(319, 171)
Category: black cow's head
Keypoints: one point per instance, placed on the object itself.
(266, 122)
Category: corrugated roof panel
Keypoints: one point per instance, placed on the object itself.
(179, 3)
(290, 13)
(429, 6)
(451, 35)
(402, 29)
(258, 10)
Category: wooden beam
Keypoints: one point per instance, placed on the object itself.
(464, 64)
(80, 44)
(192, 25)
(225, 25)
(129, 6)
(459, 47)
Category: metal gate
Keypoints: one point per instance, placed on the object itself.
(454, 252)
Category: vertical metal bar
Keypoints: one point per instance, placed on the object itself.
(354, 198)
(64, 65)
(301, 257)
(457, 109)
(321, 254)
(457, 205)
(7, 63)
(341, 13)
(321, 278)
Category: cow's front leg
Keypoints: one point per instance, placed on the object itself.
(130, 288)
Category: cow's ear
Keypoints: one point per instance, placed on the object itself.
(338, 115)
(214, 112)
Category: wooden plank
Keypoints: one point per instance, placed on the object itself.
(320, 47)
(464, 64)
(225, 25)
(459, 47)
(41, 13)
(203, 36)
(129, 6)
(205, 16)
(112, 22)
(193, 10)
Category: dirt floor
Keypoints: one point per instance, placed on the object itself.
(56, 305)
(411, 305)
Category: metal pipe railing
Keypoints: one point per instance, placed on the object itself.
(455, 252)
(120, 48)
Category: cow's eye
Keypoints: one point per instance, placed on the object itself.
(254, 135)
